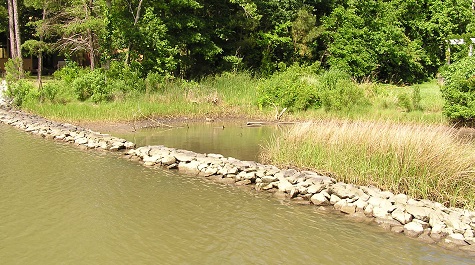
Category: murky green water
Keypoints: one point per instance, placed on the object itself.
(61, 205)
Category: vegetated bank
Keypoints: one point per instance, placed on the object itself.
(305, 92)
(424, 161)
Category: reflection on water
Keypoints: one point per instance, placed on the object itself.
(230, 140)
(61, 205)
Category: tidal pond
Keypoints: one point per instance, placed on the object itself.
(229, 139)
(63, 205)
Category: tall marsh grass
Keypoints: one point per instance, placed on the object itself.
(423, 161)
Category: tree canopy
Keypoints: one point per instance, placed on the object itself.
(390, 41)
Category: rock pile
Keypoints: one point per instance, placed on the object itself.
(429, 221)
(63, 131)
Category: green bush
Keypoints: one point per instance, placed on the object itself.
(459, 91)
(13, 70)
(130, 78)
(92, 85)
(153, 82)
(416, 98)
(69, 72)
(337, 91)
(404, 101)
(18, 91)
(293, 89)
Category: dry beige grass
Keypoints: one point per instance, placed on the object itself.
(423, 161)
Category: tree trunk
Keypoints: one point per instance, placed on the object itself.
(16, 24)
(40, 53)
(136, 20)
(11, 28)
(92, 56)
(16, 19)
(90, 35)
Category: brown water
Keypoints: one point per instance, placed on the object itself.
(61, 205)
(229, 139)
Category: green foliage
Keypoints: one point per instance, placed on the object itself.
(367, 39)
(300, 88)
(404, 101)
(304, 32)
(13, 71)
(155, 82)
(336, 91)
(417, 98)
(92, 85)
(34, 47)
(49, 91)
(126, 78)
(19, 91)
(459, 91)
(289, 89)
(69, 72)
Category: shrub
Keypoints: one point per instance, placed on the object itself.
(153, 82)
(404, 101)
(292, 89)
(92, 85)
(459, 91)
(336, 91)
(18, 91)
(13, 71)
(416, 98)
(131, 79)
(69, 72)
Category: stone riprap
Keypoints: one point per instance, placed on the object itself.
(428, 221)
(62, 131)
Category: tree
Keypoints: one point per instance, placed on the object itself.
(38, 47)
(80, 25)
(459, 91)
(14, 30)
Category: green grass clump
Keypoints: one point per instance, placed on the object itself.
(423, 161)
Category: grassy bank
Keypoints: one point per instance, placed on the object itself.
(235, 95)
(423, 161)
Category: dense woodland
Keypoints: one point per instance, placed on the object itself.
(398, 41)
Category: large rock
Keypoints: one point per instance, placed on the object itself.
(343, 190)
(348, 208)
(413, 229)
(189, 168)
(319, 199)
(421, 213)
(184, 157)
(168, 160)
(315, 188)
(284, 185)
(401, 216)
